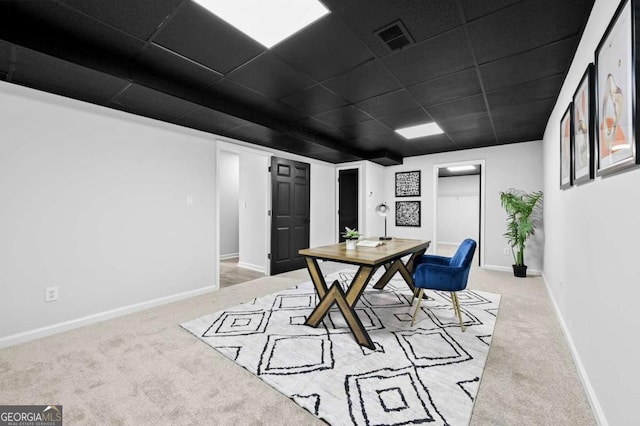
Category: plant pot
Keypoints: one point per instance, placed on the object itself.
(520, 271)
(351, 244)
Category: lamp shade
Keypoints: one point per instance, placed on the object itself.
(382, 209)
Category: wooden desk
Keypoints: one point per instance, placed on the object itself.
(369, 259)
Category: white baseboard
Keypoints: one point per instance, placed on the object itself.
(251, 266)
(510, 269)
(582, 373)
(229, 256)
(49, 330)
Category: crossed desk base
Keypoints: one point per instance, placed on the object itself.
(369, 259)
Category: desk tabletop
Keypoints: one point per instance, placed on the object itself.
(391, 249)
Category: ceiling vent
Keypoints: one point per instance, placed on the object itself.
(395, 36)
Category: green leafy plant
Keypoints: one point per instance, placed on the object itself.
(523, 210)
(350, 234)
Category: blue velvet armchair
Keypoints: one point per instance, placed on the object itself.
(444, 274)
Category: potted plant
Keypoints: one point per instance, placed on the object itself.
(523, 209)
(351, 236)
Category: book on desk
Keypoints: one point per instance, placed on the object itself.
(369, 243)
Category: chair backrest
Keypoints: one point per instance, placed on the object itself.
(464, 254)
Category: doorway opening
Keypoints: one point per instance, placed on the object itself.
(459, 206)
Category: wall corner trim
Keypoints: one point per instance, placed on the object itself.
(49, 330)
(582, 373)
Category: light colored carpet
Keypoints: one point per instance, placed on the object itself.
(425, 373)
(144, 369)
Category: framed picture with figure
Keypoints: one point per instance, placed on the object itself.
(583, 164)
(566, 139)
(616, 91)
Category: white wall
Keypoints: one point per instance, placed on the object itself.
(94, 201)
(516, 165)
(254, 201)
(591, 258)
(458, 208)
(375, 192)
(229, 187)
(323, 205)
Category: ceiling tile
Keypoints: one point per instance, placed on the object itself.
(433, 58)
(478, 121)
(422, 19)
(457, 85)
(469, 137)
(55, 75)
(54, 18)
(283, 112)
(529, 116)
(142, 100)
(255, 133)
(210, 120)
(164, 63)
(526, 25)
(367, 129)
(407, 118)
(542, 62)
(344, 116)
(320, 127)
(200, 35)
(228, 91)
(450, 110)
(547, 88)
(139, 18)
(474, 9)
(363, 82)
(314, 100)
(270, 76)
(388, 104)
(323, 49)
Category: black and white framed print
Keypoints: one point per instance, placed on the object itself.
(408, 184)
(583, 167)
(408, 213)
(616, 92)
(566, 137)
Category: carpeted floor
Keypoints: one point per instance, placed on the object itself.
(144, 369)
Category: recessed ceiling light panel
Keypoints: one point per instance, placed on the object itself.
(267, 21)
(461, 168)
(420, 130)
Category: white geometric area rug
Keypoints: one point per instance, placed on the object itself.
(428, 373)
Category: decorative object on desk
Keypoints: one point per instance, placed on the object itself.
(382, 210)
(408, 213)
(351, 237)
(617, 88)
(566, 145)
(429, 373)
(408, 184)
(583, 168)
(523, 210)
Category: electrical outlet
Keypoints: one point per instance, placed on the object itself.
(505, 251)
(51, 294)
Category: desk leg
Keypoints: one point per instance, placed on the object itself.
(316, 276)
(398, 266)
(346, 303)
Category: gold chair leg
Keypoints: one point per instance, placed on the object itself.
(413, 297)
(456, 307)
(417, 306)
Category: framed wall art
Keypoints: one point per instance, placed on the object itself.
(583, 165)
(616, 91)
(408, 184)
(408, 213)
(566, 137)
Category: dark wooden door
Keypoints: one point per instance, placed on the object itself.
(290, 190)
(347, 200)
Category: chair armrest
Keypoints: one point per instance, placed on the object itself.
(432, 260)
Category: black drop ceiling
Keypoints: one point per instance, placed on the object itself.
(488, 71)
